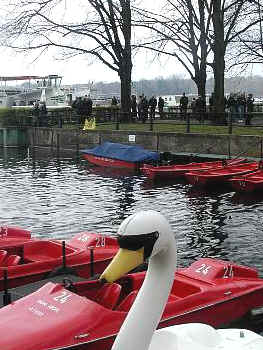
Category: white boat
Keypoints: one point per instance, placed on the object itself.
(35, 88)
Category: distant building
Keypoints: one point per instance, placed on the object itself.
(174, 100)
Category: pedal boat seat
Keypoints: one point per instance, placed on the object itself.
(12, 260)
(127, 302)
(108, 295)
(3, 255)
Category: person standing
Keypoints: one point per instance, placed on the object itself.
(200, 109)
(140, 107)
(241, 103)
(183, 105)
(42, 114)
(133, 108)
(232, 105)
(89, 106)
(193, 106)
(145, 108)
(77, 106)
(152, 105)
(160, 107)
(86, 110)
(114, 101)
(35, 113)
(250, 109)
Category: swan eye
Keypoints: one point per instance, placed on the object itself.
(136, 242)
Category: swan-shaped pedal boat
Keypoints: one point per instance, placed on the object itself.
(145, 235)
(88, 314)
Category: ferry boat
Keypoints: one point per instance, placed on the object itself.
(33, 88)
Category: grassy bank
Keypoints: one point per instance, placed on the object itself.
(181, 128)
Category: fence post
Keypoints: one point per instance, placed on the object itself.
(229, 148)
(117, 120)
(151, 122)
(230, 124)
(187, 122)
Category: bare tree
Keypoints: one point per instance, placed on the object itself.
(181, 32)
(201, 34)
(230, 20)
(101, 29)
(249, 44)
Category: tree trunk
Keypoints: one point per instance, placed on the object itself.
(125, 62)
(125, 78)
(219, 61)
(201, 84)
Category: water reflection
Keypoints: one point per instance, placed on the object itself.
(208, 236)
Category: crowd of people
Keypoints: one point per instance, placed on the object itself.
(83, 108)
(143, 108)
(241, 106)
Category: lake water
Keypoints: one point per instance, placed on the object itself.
(58, 195)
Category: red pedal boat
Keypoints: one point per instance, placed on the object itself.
(88, 315)
(249, 182)
(28, 259)
(167, 172)
(215, 176)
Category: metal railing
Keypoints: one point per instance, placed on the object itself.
(116, 120)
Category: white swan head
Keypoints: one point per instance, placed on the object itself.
(140, 236)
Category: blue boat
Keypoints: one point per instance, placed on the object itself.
(119, 155)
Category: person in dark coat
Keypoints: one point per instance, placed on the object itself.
(114, 101)
(232, 105)
(87, 106)
(250, 109)
(84, 108)
(133, 108)
(152, 105)
(160, 107)
(35, 113)
(183, 105)
(145, 107)
(77, 107)
(140, 107)
(200, 108)
(42, 114)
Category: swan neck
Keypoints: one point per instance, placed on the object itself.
(145, 314)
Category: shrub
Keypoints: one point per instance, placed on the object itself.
(13, 116)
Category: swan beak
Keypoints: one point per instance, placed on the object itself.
(123, 262)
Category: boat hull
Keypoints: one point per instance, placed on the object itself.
(108, 162)
(208, 291)
(86, 253)
(219, 176)
(110, 154)
(248, 183)
(168, 172)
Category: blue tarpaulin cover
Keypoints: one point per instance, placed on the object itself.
(119, 151)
